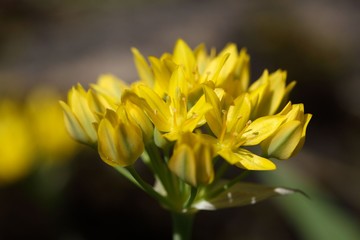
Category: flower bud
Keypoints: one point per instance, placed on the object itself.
(138, 116)
(120, 141)
(269, 93)
(192, 159)
(289, 138)
(79, 118)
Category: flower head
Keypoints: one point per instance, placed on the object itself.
(192, 114)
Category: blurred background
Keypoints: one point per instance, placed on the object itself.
(47, 46)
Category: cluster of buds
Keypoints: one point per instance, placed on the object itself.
(190, 116)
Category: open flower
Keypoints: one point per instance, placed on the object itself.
(233, 130)
(172, 115)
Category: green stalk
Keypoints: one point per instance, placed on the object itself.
(148, 188)
(128, 175)
(182, 225)
(160, 169)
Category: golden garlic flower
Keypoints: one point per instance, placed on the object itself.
(191, 115)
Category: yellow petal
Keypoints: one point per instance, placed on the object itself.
(121, 145)
(80, 107)
(202, 58)
(260, 129)
(214, 116)
(229, 65)
(110, 87)
(73, 126)
(106, 147)
(138, 116)
(277, 90)
(239, 114)
(192, 159)
(155, 107)
(161, 74)
(306, 120)
(182, 163)
(213, 70)
(183, 55)
(284, 141)
(178, 83)
(247, 160)
(143, 68)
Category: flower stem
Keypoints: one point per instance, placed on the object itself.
(147, 188)
(182, 225)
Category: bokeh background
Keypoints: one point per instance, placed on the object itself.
(68, 193)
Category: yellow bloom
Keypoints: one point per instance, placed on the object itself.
(172, 116)
(120, 141)
(230, 69)
(16, 144)
(233, 129)
(79, 118)
(107, 93)
(289, 138)
(269, 93)
(188, 107)
(192, 159)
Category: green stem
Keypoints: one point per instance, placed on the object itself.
(158, 165)
(128, 175)
(193, 193)
(182, 225)
(148, 188)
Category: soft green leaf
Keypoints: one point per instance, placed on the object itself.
(242, 194)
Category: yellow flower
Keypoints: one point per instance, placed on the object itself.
(172, 115)
(120, 141)
(107, 93)
(192, 159)
(269, 93)
(16, 143)
(289, 138)
(230, 69)
(188, 107)
(233, 129)
(78, 116)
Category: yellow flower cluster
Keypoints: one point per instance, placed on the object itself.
(189, 109)
(31, 131)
